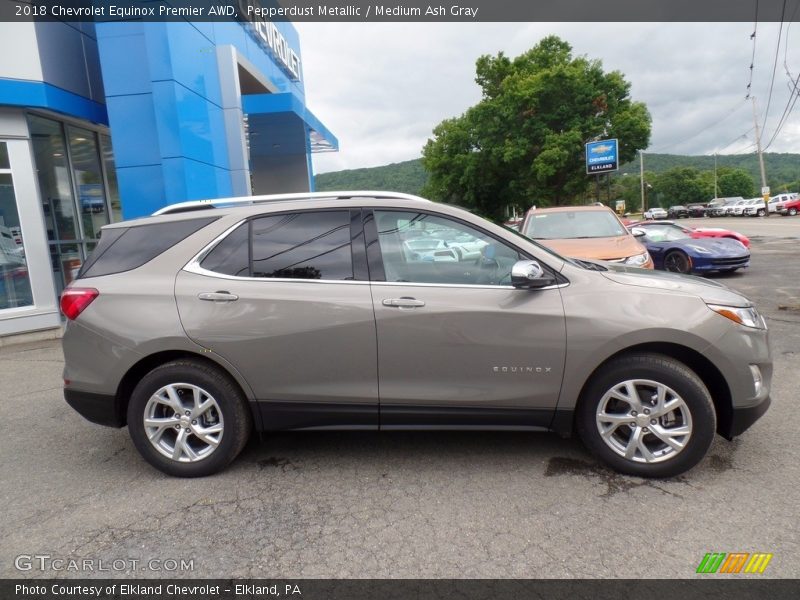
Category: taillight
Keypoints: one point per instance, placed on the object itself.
(75, 300)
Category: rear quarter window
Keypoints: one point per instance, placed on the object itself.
(124, 249)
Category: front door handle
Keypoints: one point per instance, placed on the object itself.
(403, 302)
(218, 296)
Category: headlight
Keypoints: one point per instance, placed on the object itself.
(700, 249)
(748, 316)
(637, 260)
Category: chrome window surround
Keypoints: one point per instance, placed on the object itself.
(193, 266)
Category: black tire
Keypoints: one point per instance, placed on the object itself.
(664, 370)
(677, 261)
(760, 212)
(792, 212)
(231, 402)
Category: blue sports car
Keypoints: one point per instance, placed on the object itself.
(673, 250)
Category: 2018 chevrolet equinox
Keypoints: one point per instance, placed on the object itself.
(375, 310)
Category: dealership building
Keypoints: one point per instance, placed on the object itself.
(107, 121)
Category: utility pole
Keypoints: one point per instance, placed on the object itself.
(760, 155)
(641, 178)
(716, 193)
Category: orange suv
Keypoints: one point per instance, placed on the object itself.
(585, 232)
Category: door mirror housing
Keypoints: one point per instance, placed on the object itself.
(529, 274)
(638, 232)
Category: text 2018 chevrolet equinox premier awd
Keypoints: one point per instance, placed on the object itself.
(373, 310)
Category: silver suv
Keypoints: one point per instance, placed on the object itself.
(320, 311)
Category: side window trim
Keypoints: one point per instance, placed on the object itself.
(358, 249)
(374, 255)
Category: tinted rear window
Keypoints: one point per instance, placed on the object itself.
(124, 249)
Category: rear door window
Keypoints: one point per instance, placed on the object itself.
(307, 245)
(304, 245)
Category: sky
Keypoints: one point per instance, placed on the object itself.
(381, 88)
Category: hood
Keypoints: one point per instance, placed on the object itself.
(606, 248)
(710, 291)
(719, 246)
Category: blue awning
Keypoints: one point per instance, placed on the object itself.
(281, 124)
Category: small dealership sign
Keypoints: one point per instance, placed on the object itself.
(601, 156)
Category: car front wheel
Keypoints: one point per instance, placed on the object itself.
(677, 262)
(647, 415)
(188, 419)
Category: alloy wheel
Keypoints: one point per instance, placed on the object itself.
(644, 421)
(183, 422)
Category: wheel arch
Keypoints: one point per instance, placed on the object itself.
(141, 368)
(708, 373)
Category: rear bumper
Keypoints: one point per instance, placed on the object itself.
(102, 409)
(743, 418)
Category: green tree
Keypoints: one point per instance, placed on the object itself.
(681, 185)
(736, 182)
(523, 143)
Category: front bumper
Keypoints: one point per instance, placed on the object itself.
(744, 417)
(102, 409)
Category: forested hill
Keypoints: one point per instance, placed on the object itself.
(410, 177)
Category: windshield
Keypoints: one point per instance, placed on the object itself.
(573, 224)
(664, 233)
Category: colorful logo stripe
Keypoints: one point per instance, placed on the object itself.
(735, 562)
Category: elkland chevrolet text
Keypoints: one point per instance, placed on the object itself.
(318, 311)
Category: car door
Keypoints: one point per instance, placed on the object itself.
(457, 344)
(285, 298)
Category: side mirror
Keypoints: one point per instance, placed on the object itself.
(529, 274)
(638, 232)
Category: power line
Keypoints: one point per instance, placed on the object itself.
(753, 57)
(774, 66)
(733, 109)
(733, 141)
(786, 111)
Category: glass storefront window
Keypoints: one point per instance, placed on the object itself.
(88, 180)
(111, 178)
(15, 284)
(50, 153)
(79, 190)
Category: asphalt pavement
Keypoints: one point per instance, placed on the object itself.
(401, 504)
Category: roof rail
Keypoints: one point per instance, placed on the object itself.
(251, 200)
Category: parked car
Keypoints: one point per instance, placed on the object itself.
(756, 207)
(585, 232)
(719, 207)
(429, 249)
(677, 212)
(655, 213)
(696, 210)
(790, 207)
(736, 209)
(675, 250)
(776, 203)
(212, 319)
(700, 232)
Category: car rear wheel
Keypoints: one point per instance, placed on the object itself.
(792, 212)
(647, 415)
(188, 419)
(677, 262)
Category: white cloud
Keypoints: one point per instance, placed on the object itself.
(382, 87)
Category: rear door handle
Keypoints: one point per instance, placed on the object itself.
(403, 302)
(218, 296)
